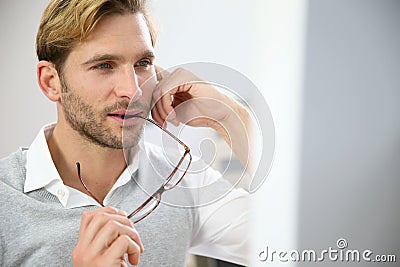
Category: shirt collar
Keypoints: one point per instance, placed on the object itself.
(42, 173)
(40, 169)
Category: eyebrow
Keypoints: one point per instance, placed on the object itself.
(108, 57)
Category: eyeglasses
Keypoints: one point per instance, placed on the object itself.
(171, 182)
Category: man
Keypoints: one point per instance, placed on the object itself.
(96, 62)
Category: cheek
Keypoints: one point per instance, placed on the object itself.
(100, 93)
(147, 96)
(148, 86)
(96, 85)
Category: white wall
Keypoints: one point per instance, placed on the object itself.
(280, 44)
(24, 109)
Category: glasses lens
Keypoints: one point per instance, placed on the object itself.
(177, 159)
(167, 162)
(145, 209)
(178, 172)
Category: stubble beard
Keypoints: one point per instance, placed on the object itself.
(82, 118)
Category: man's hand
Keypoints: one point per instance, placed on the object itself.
(106, 235)
(181, 97)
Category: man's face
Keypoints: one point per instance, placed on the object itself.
(103, 75)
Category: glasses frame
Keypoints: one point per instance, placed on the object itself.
(164, 187)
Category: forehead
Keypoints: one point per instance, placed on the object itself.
(117, 34)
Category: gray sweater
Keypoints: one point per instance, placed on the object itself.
(36, 230)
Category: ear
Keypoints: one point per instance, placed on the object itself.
(48, 80)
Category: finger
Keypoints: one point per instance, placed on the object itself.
(113, 210)
(161, 111)
(156, 116)
(88, 216)
(111, 231)
(160, 72)
(124, 245)
(164, 102)
(158, 107)
(97, 222)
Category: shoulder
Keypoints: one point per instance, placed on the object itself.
(12, 169)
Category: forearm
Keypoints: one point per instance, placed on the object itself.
(238, 131)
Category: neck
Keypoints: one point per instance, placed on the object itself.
(100, 166)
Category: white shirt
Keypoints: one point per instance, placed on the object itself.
(222, 224)
(41, 172)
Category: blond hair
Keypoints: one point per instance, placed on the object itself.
(66, 22)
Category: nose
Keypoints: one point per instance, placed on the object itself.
(128, 84)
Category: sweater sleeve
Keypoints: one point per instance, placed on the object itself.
(221, 227)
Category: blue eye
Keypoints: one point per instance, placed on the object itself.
(143, 63)
(103, 66)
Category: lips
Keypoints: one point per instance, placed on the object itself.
(126, 114)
